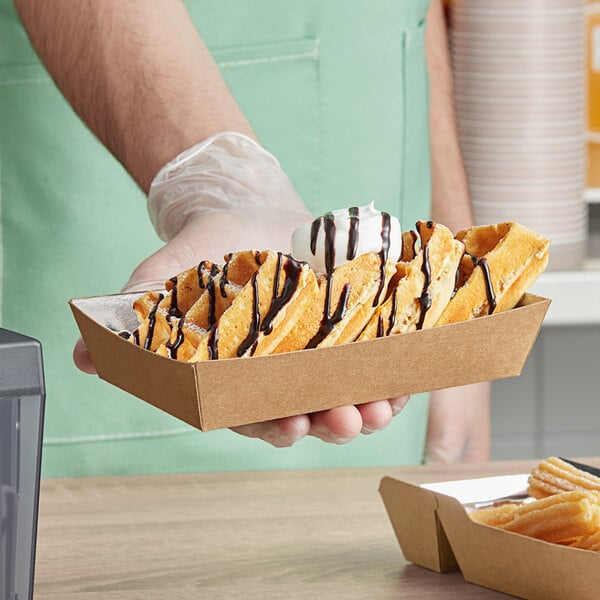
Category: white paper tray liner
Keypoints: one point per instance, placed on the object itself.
(484, 489)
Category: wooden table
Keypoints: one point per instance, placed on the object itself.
(285, 535)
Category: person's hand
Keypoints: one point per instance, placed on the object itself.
(459, 425)
(230, 196)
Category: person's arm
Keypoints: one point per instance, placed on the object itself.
(459, 418)
(450, 190)
(137, 73)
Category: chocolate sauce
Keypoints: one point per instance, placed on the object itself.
(125, 334)
(456, 281)
(210, 288)
(254, 322)
(383, 254)
(329, 225)
(213, 343)
(380, 326)
(429, 224)
(352, 233)
(314, 233)
(201, 267)
(392, 319)
(425, 299)
(174, 308)
(415, 238)
(257, 257)
(151, 324)
(172, 347)
(292, 269)
(136, 337)
(329, 320)
(489, 288)
(224, 280)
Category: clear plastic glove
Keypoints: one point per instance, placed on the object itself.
(459, 425)
(224, 195)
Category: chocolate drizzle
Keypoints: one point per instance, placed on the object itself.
(394, 310)
(425, 299)
(172, 347)
(352, 233)
(252, 336)
(381, 330)
(415, 238)
(380, 326)
(489, 288)
(292, 269)
(213, 343)
(174, 308)
(224, 280)
(329, 320)
(456, 281)
(201, 267)
(314, 233)
(383, 254)
(151, 324)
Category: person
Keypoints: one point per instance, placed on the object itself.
(337, 91)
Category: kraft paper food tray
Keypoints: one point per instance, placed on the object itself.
(435, 531)
(224, 393)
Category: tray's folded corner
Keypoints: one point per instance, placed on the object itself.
(413, 514)
(435, 531)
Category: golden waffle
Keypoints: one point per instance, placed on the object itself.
(263, 312)
(505, 260)
(345, 302)
(420, 289)
(201, 293)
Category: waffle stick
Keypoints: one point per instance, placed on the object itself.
(420, 289)
(506, 259)
(263, 312)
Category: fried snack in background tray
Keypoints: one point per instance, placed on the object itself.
(501, 262)
(561, 518)
(420, 289)
(553, 476)
(588, 542)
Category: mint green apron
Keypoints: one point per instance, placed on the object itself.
(336, 89)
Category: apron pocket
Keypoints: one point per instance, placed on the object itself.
(277, 88)
(416, 186)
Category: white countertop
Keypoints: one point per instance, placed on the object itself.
(575, 295)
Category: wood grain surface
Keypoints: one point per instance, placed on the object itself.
(288, 534)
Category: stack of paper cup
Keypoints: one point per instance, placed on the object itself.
(520, 88)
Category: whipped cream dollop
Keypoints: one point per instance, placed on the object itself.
(341, 235)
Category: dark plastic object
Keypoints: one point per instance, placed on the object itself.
(22, 396)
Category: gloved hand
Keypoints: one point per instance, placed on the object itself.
(223, 195)
(459, 425)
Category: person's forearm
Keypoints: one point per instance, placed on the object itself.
(450, 193)
(137, 73)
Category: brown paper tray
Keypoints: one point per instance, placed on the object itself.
(224, 393)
